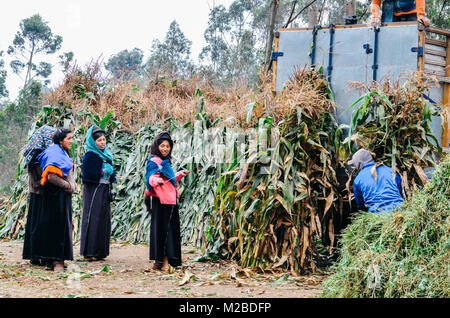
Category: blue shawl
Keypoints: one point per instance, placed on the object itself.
(55, 156)
(165, 169)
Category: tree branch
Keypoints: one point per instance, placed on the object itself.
(321, 11)
(300, 12)
(292, 10)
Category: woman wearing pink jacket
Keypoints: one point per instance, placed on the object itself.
(161, 182)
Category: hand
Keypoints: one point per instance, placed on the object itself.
(69, 189)
(424, 20)
(185, 172)
(376, 15)
(375, 21)
(160, 181)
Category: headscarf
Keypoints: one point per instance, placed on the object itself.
(360, 159)
(105, 155)
(54, 160)
(154, 150)
(40, 140)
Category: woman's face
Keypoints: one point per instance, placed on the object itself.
(164, 148)
(101, 142)
(66, 143)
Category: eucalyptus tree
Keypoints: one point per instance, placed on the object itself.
(3, 73)
(231, 50)
(125, 64)
(172, 56)
(65, 59)
(438, 11)
(33, 38)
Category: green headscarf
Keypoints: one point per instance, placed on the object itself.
(108, 169)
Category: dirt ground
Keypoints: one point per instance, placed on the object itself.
(127, 272)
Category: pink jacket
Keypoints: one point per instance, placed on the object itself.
(167, 193)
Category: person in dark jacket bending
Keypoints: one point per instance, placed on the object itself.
(380, 194)
(98, 175)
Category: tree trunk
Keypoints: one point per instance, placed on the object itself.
(30, 63)
(270, 32)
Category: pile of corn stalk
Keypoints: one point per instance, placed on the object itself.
(392, 120)
(272, 210)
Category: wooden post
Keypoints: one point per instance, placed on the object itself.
(350, 8)
(274, 67)
(422, 42)
(446, 99)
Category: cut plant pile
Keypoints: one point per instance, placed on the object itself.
(404, 253)
(271, 213)
(393, 122)
(138, 104)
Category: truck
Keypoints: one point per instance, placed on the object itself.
(364, 53)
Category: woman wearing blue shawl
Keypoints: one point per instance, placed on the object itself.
(98, 174)
(161, 182)
(51, 235)
(39, 141)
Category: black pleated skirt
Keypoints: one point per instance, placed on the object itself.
(48, 232)
(34, 206)
(165, 233)
(96, 221)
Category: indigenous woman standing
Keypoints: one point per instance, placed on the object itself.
(41, 139)
(161, 182)
(98, 175)
(52, 235)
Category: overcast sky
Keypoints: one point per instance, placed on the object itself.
(94, 28)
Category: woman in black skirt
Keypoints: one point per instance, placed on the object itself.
(39, 141)
(52, 232)
(161, 182)
(98, 175)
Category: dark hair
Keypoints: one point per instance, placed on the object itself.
(60, 134)
(97, 135)
(158, 140)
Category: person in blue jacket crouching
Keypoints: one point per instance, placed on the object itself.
(380, 194)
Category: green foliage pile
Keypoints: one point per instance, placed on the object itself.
(404, 253)
(393, 122)
(271, 211)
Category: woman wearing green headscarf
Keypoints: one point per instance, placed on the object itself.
(98, 175)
